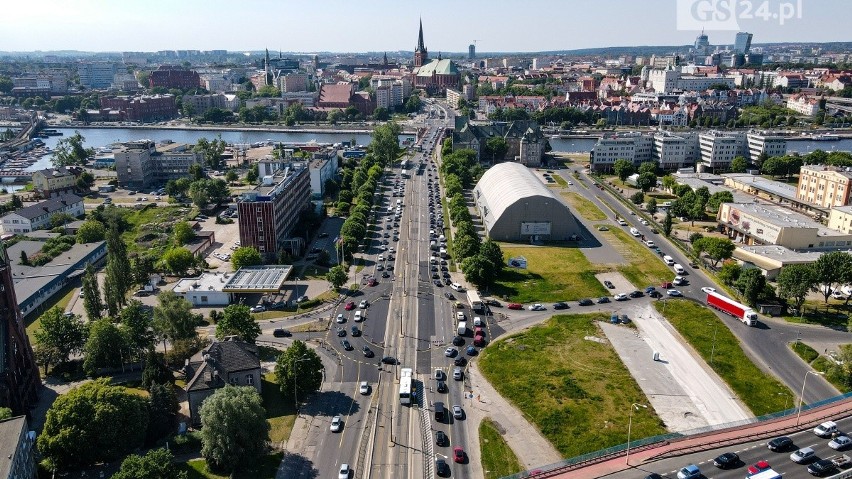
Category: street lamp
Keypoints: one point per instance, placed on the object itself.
(295, 382)
(802, 397)
(634, 406)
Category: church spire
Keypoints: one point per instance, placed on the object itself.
(420, 46)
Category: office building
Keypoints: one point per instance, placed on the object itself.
(17, 444)
(293, 82)
(742, 43)
(40, 215)
(96, 75)
(142, 164)
(142, 108)
(168, 76)
(765, 142)
(766, 224)
(471, 51)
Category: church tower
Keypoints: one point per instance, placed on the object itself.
(421, 55)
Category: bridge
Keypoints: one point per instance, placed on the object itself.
(17, 176)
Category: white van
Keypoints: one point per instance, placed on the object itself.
(635, 232)
(678, 269)
(456, 286)
(668, 260)
(462, 329)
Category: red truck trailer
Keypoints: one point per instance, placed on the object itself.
(735, 309)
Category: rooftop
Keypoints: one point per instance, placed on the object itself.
(10, 433)
(258, 279)
(776, 188)
(48, 206)
(206, 282)
(783, 255)
(30, 279)
(223, 357)
(784, 218)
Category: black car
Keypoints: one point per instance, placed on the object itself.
(442, 469)
(585, 302)
(822, 467)
(609, 284)
(341, 332)
(355, 331)
(460, 361)
(385, 274)
(779, 444)
(441, 438)
(655, 294)
(636, 294)
(458, 341)
(603, 299)
(449, 296)
(726, 460)
(368, 353)
(442, 387)
(388, 360)
(346, 345)
(653, 475)
(280, 333)
(438, 283)
(560, 305)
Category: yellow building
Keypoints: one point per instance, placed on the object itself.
(840, 219)
(824, 186)
(52, 181)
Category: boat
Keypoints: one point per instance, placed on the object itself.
(825, 137)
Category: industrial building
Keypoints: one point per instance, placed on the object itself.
(515, 205)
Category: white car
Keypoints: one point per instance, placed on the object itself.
(644, 222)
(364, 388)
(708, 289)
(362, 304)
(344, 471)
(340, 318)
(451, 352)
(257, 309)
(336, 424)
(837, 294)
(620, 297)
(826, 429)
(674, 292)
(536, 307)
(570, 184)
(358, 317)
(840, 442)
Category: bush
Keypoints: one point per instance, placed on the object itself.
(637, 198)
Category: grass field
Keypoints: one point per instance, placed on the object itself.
(759, 391)
(60, 302)
(559, 180)
(584, 207)
(553, 274)
(834, 314)
(498, 460)
(644, 267)
(576, 391)
(823, 364)
(265, 469)
(280, 411)
(807, 353)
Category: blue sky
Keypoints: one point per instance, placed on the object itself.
(387, 25)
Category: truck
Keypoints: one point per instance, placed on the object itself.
(843, 461)
(735, 309)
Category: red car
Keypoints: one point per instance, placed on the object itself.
(515, 306)
(372, 282)
(666, 285)
(760, 466)
(349, 306)
(458, 454)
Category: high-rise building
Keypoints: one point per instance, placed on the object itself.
(702, 45)
(471, 51)
(742, 43)
(96, 74)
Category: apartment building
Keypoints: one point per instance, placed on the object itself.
(200, 104)
(803, 104)
(293, 82)
(142, 107)
(670, 80)
(633, 147)
(718, 149)
(760, 142)
(39, 215)
(52, 181)
(824, 186)
(168, 76)
(673, 151)
(142, 164)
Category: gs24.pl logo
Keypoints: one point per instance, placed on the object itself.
(726, 14)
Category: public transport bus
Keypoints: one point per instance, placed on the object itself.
(475, 301)
(405, 378)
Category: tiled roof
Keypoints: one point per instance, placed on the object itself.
(222, 357)
(336, 93)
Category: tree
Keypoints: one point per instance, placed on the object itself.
(135, 323)
(236, 320)
(246, 256)
(831, 270)
(117, 275)
(795, 281)
(646, 181)
(716, 200)
(182, 233)
(637, 198)
(490, 250)
(155, 464)
(298, 370)
(693, 238)
(336, 276)
(91, 231)
(234, 428)
(651, 205)
(667, 223)
(385, 142)
(231, 176)
(251, 176)
(751, 284)
(739, 165)
(496, 147)
(25, 260)
(155, 372)
(164, 409)
(105, 347)
(729, 273)
(465, 246)
(59, 336)
(622, 168)
(178, 260)
(718, 249)
(5, 413)
(173, 318)
(212, 151)
(479, 270)
(69, 151)
(85, 181)
(669, 182)
(60, 219)
(178, 187)
(95, 422)
(381, 114)
(648, 167)
(91, 293)
(773, 166)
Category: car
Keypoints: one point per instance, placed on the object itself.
(653, 475)
(458, 454)
(440, 375)
(340, 318)
(385, 274)
(355, 331)
(346, 345)
(349, 306)
(449, 296)
(603, 228)
(372, 282)
(380, 268)
(779, 444)
(458, 412)
(460, 361)
(674, 292)
(826, 429)
(322, 235)
(458, 374)
(536, 307)
(666, 284)
(822, 467)
(803, 455)
(451, 352)
(442, 469)
(336, 424)
(363, 304)
(613, 318)
(471, 351)
(636, 294)
(759, 467)
(364, 388)
(624, 319)
(609, 284)
(840, 443)
(726, 460)
(585, 302)
(655, 294)
(689, 472)
(560, 305)
(344, 472)
(442, 387)
(515, 306)
(441, 438)
(388, 360)
(603, 299)
(280, 333)
(493, 302)
(708, 289)
(254, 309)
(438, 283)
(458, 341)
(620, 297)
(359, 316)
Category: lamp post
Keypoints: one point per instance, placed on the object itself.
(295, 382)
(634, 406)
(802, 397)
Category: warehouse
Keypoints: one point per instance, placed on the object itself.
(516, 206)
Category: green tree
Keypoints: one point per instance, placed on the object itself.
(173, 318)
(729, 273)
(385, 142)
(178, 261)
(832, 270)
(646, 181)
(336, 276)
(739, 165)
(234, 428)
(156, 371)
(155, 464)
(496, 147)
(246, 256)
(251, 175)
(95, 422)
(91, 231)
(5, 413)
(651, 205)
(795, 281)
(182, 233)
(105, 347)
(773, 166)
(163, 411)
(135, 322)
(69, 151)
(25, 260)
(623, 169)
(667, 223)
(298, 371)
(669, 182)
(648, 167)
(212, 151)
(751, 284)
(716, 200)
(465, 246)
(637, 198)
(236, 320)
(381, 114)
(60, 219)
(59, 336)
(91, 293)
(231, 176)
(117, 275)
(479, 270)
(718, 249)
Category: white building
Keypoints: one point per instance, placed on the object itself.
(634, 147)
(803, 104)
(718, 149)
(205, 290)
(760, 142)
(96, 74)
(38, 216)
(670, 80)
(673, 151)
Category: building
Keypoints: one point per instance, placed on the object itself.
(840, 219)
(205, 290)
(667, 80)
(764, 224)
(200, 104)
(824, 186)
(125, 82)
(742, 43)
(772, 259)
(765, 143)
(515, 205)
(323, 167)
(36, 284)
(471, 51)
(169, 76)
(17, 444)
(269, 212)
(337, 95)
(293, 82)
(804, 104)
(634, 147)
(526, 143)
(96, 75)
(142, 108)
(774, 191)
(142, 164)
(718, 149)
(39, 215)
(230, 361)
(673, 151)
(52, 181)
(434, 76)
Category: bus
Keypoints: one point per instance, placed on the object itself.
(405, 383)
(475, 301)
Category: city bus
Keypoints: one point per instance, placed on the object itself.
(405, 383)
(475, 301)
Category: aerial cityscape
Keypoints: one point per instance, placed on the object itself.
(583, 240)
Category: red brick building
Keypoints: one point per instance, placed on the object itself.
(168, 76)
(142, 107)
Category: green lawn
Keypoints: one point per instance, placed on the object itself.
(498, 460)
(584, 207)
(266, 469)
(833, 314)
(576, 391)
(833, 373)
(645, 267)
(807, 353)
(759, 391)
(553, 273)
(150, 227)
(60, 302)
(280, 410)
(559, 179)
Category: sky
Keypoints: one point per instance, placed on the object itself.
(391, 25)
